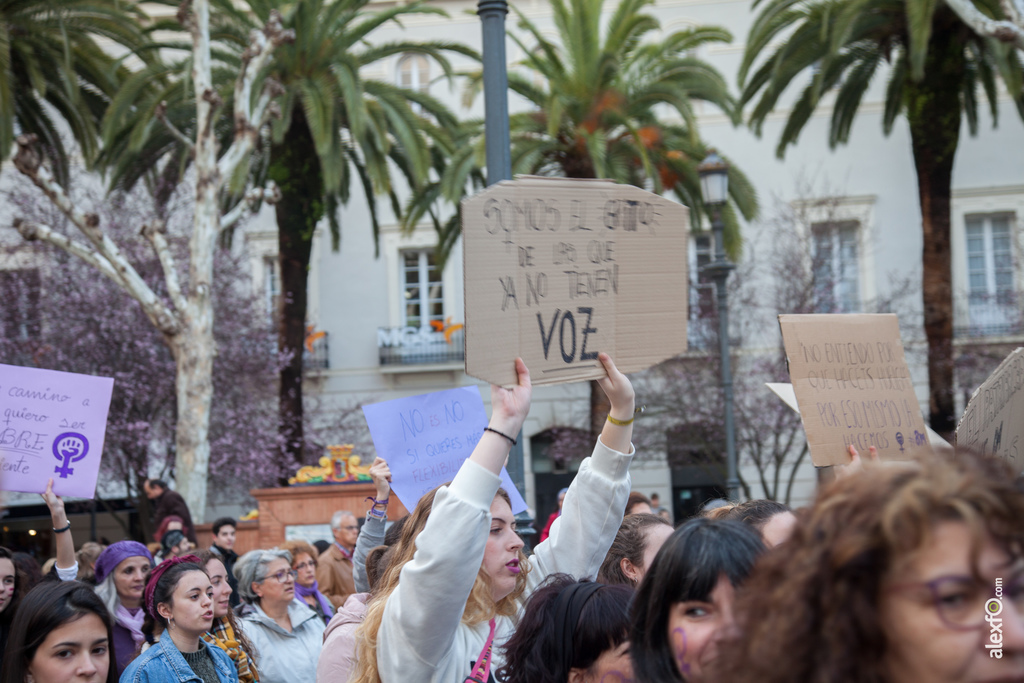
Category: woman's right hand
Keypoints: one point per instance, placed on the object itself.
(856, 464)
(509, 407)
(380, 474)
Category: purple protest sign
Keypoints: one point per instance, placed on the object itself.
(426, 438)
(52, 424)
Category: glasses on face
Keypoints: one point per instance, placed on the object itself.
(349, 528)
(283, 575)
(305, 565)
(963, 602)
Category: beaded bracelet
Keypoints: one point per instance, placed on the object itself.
(495, 431)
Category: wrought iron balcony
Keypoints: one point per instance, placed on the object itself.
(420, 346)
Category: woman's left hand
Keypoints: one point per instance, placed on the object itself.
(618, 388)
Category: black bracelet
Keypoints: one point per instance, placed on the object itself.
(63, 528)
(495, 431)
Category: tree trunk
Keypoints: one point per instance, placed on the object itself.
(193, 354)
(934, 112)
(296, 170)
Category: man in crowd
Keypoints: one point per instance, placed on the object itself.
(167, 503)
(224, 530)
(174, 544)
(334, 568)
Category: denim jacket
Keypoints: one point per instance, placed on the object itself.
(163, 663)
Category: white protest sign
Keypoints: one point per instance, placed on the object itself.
(993, 421)
(52, 424)
(557, 270)
(852, 385)
(426, 438)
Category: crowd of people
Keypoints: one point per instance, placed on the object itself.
(896, 573)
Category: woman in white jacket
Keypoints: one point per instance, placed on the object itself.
(285, 633)
(458, 575)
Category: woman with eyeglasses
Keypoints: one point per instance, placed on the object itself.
(900, 573)
(306, 588)
(285, 632)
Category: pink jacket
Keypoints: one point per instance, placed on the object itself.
(338, 656)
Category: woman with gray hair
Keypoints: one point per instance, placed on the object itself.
(285, 633)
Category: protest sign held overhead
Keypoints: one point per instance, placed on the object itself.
(52, 425)
(852, 385)
(557, 270)
(993, 421)
(426, 438)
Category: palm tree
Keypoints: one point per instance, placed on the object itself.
(52, 65)
(937, 65)
(335, 126)
(599, 99)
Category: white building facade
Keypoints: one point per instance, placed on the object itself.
(385, 317)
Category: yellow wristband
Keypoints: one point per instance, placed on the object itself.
(621, 423)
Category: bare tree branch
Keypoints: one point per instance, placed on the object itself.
(156, 233)
(248, 121)
(161, 317)
(161, 115)
(1004, 30)
(271, 194)
(29, 163)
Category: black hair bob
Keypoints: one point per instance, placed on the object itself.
(597, 614)
(44, 609)
(686, 568)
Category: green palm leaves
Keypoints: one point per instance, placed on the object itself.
(846, 43)
(60, 61)
(609, 100)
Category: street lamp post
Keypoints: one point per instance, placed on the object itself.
(496, 132)
(714, 185)
(497, 141)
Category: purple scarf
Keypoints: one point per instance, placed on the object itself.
(325, 604)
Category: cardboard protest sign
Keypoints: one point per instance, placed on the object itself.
(426, 438)
(557, 270)
(53, 425)
(852, 385)
(784, 390)
(993, 421)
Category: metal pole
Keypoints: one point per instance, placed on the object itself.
(719, 270)
(498, 143)
(499, 156)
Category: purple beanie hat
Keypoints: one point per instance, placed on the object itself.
(117, 553)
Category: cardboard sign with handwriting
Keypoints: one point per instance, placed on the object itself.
(994, 419)
(557, 270)
(853, 386)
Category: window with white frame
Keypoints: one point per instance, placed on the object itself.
(702, 293)
(990, 278)
(271, 287)
(414, 74)
(836, 266)
(422, 290)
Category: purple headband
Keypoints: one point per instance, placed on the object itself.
(154, 579)
(117, 553)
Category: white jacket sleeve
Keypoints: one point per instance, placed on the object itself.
(591, 516)
(422, 615)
